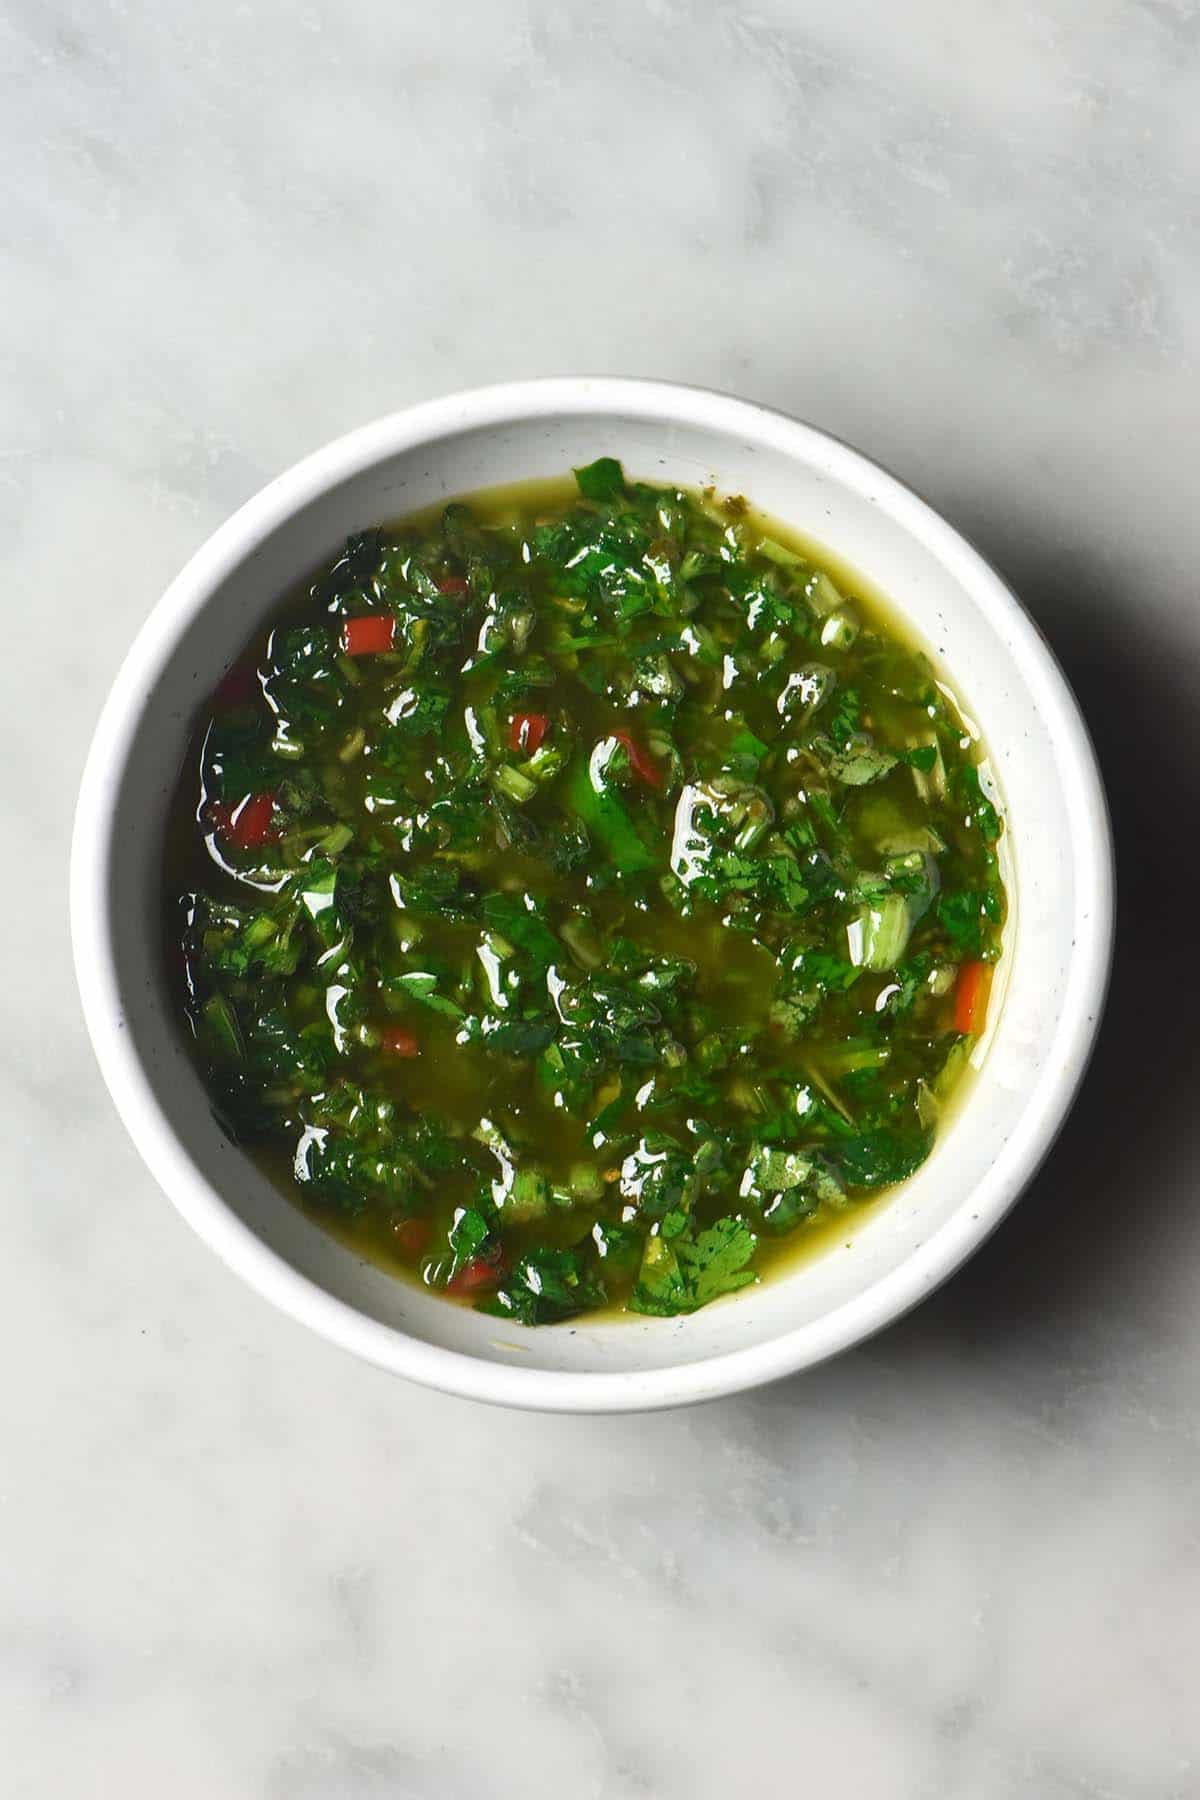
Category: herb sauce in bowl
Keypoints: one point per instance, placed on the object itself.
(583, 898)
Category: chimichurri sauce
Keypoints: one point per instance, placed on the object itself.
(580, 895)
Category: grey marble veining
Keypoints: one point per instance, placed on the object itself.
(962, 1562)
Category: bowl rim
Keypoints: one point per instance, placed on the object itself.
(200, 1202)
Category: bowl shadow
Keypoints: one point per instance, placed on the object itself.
(1064, 1255)
(1089, 1211)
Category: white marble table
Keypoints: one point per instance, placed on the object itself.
(964, 1562)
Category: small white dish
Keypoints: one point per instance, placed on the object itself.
(1057, 844)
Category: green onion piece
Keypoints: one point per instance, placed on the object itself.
(822, 594)
(840, 630)
(335, 840)
(513, 784)
(222, 1022)
(878, 936)
(779, 553)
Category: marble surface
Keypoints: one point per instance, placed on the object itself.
(964, 1561)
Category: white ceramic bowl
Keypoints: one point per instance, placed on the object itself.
(1059, 873)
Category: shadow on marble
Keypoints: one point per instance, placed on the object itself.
(1098, 1227)
(1099, 1205)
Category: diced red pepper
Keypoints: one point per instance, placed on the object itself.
(971, 998)
(368, 636)
(481, 1272)
(238, 686)
(247, 824)
(412, 1236)
(399, 1042)
(454, 584)
(527, 731)
(640, 761)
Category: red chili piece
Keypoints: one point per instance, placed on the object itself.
(246, 824)
(399, 1041)
(368, 636)
(640, 761)
(412, 1236)
(971, 998)
(238, 686)
(527, 731)
(481, 1272)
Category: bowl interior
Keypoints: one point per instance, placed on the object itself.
(953, 601)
